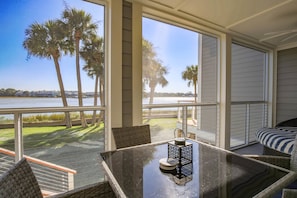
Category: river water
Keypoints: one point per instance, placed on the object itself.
(28, 102)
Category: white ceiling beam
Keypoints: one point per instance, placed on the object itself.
(180, 4)
(288, 38)
(281, 33)
(274, 36)
(259, 13)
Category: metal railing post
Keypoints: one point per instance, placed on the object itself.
(70, 181)
(185, 120)
(247, 126)
(18, 133)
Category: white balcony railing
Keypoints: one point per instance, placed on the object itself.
(197, 120)
(246, 118)
(18, 121)
(252, 115)
(54, 147)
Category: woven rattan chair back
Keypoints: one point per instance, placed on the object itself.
(131, 136)
(293, 161)
(97, 190)
(19, 182)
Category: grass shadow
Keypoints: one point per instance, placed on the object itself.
(43, 137)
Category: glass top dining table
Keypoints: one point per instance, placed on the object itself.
(201, 170)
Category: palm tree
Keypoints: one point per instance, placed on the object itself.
(191, 74)
(93, 54)
(153, 71)
(47, 41)
(79, 27)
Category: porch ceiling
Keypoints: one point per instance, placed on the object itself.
(273, 22)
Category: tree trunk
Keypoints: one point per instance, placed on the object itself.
(95, 98)
(151, 100)
(62, 90)
(79, 89)
(102, 99)
(195, 92)
(195, 99)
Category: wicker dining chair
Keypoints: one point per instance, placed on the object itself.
(19, 181)
(284, 162)
(131, 136)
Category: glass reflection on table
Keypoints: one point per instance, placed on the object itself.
(213, 173)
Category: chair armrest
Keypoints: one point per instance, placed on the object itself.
(291, 122)
(289, 193)
(280, 161)
(101, 189)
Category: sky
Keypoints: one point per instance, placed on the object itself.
(176, 47)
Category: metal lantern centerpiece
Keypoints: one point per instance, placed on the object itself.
(182, 152)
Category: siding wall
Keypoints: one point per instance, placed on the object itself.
(286, 106)
(209, 69)
(247, 84)
(247, 74)
(127, 118)
(208, 82)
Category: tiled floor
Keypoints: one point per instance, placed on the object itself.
(256, 149)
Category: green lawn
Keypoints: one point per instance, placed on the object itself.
(58, 136)
(162, 122)
(55, 136)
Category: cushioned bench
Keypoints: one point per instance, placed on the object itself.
(280, 139)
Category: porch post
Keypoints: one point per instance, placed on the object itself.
(223, 139)
(18, 133)
(114, 73)
(137, 63)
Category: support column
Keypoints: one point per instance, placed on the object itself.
(225, 92)
(113, 70)
(137, 63)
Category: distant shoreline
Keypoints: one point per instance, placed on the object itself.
(29, 102)
(87, 96)
(10, 92)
